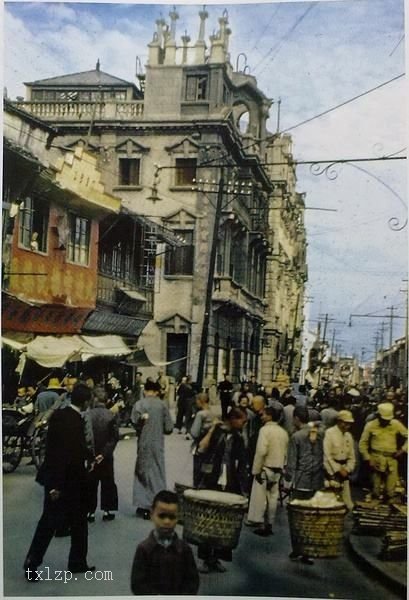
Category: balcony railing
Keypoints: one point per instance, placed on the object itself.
(85, 111)
(108, 287)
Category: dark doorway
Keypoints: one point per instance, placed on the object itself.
(176, 347)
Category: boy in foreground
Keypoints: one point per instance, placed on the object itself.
(163, 563)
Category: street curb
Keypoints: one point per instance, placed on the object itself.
(370, 566)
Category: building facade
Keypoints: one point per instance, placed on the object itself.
(189, 150)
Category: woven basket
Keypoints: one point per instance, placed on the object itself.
(217, 525)
(317, 532)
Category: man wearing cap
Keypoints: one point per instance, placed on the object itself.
(339, 455)
(379, 445)
(46, 399)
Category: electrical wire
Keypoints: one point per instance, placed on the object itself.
(275, 49)
(260, 37)
(326, 112)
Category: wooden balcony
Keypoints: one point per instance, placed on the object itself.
(108, 292)
(85, 111)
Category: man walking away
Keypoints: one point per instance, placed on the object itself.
(64, 477)
(152, 420)
(106, 436)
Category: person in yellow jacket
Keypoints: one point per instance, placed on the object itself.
(381, 445)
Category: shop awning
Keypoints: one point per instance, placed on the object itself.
(103, 345)
(141, 359)
(14, 344)
(104, 322)
(18, 315)
(133, 294)
(49, 351)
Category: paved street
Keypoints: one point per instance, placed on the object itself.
(260, 566)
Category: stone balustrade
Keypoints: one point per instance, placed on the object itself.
(84, 111)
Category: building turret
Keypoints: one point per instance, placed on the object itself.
(200, 46)
(170, 39)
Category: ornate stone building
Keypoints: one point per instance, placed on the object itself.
(188, 148)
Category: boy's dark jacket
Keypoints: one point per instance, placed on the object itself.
(160, 570)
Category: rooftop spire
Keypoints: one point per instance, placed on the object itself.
(97, 66)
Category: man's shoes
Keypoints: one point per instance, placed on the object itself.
(91, 518)
(252, 524)
(306, 560)
(107, 516)
(188, 436)
(144, 513)
(80, 569)
(30, 569)
(264, 531)
(294, 555)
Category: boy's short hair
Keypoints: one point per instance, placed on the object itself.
(166, 497)
(152, 386)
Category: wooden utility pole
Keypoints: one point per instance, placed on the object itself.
(209, 288)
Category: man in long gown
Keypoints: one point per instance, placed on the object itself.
(152, 420)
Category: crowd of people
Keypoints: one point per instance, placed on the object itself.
(262, 443)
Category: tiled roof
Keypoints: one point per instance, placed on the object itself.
(105, 322)
(94, 77)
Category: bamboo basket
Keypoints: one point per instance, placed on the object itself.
(316, 532)
(213, 518)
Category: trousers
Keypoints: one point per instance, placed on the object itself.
(102, 474)
(264, 498)
(74, 513)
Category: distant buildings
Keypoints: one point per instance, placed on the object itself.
(188, 154)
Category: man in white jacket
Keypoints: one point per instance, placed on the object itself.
(269, 461)
(339, 456)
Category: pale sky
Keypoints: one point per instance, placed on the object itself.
(312, 55)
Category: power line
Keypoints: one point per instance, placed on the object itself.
(279, 45)
(398, 44)
(266, 28)
(326, 112)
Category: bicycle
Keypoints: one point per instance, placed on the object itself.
(24, 434)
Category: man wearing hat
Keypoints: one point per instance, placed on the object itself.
(339, 456)
(380, 446)
(46, 399)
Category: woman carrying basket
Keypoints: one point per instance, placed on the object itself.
(224, 468)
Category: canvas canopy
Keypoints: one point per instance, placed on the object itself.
(50, 351)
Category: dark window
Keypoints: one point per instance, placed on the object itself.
(196, 88)
(85, 96)
(121, 96)
(33, 225)
(185, 171)
(79, 238)
(37, 95)
(179, 261)
(49, 96)
(129, 171)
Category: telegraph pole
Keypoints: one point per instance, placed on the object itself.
(209, 288)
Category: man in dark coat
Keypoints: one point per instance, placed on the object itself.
(64, 477)
(225, 389)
